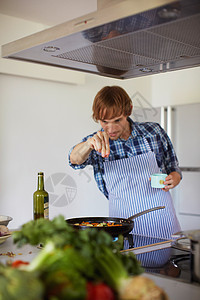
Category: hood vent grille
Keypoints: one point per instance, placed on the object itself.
(108, 57)
(143, 48)
(185, 31)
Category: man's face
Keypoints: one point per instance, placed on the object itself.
(117, 127)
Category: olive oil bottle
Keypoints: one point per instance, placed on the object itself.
(40, 200)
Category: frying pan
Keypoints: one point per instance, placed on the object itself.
(124, 227)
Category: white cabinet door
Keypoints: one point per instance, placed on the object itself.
(186, 140)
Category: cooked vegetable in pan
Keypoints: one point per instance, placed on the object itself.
(97, 224)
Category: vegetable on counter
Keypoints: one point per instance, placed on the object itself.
(83, 264)
(99, 291)
(17, 284)
(18, 263)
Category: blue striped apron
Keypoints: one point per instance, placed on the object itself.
(156, 258)
(129, 189)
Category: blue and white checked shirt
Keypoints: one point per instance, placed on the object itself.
(159, 143)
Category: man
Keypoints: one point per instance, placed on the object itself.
(124, 154)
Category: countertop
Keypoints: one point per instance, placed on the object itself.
(9, 251)
(175, 289)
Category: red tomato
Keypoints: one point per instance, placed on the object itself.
(99, 291)
(18, 263)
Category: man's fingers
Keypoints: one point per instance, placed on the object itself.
(103, 139)
(97, 142)
(103, 150)
(107, 145)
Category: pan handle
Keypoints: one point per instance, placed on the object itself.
(145, 212)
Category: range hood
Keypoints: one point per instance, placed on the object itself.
(126, 39)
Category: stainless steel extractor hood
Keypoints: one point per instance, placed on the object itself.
(125, 39)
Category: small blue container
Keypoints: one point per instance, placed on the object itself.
(157, 180)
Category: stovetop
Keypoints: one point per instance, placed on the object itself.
(171, 261)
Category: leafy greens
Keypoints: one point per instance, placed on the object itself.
(69, 259)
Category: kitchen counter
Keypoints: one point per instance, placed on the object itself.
(10, 252)
(166, 264)
(175, 288)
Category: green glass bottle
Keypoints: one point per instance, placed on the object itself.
(40, 200)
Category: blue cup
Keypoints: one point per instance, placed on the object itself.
(157, 180)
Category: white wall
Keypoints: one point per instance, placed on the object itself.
(40, 122)
(176, 87)
(41, 119)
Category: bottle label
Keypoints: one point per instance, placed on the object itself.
(46, 208)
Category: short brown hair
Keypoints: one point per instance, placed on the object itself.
(111, 102)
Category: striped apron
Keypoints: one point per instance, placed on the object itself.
(153, 259)
(129, 189)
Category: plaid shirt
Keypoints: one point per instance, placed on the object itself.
(159, 143)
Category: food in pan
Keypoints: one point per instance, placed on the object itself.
(97, 224)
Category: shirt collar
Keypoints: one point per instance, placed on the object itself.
(135, 128)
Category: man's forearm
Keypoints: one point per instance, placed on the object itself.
(80, 153)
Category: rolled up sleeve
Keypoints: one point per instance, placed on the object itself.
(87, 162)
